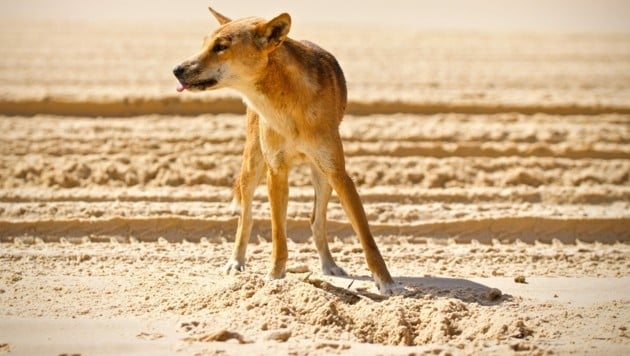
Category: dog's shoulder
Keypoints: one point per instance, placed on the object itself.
(320, 64)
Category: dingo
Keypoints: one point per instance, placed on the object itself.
(295, 94)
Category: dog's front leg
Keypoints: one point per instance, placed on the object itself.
(251, 172)
(278, 187)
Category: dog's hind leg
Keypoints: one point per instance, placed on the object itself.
(323, 190)
(252, 169)
(331, 161)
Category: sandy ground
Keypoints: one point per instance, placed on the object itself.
(158, 298)
(484, 160)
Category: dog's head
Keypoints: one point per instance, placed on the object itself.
(233, 55)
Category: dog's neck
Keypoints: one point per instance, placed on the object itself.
(282, 85)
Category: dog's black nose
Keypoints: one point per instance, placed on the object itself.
(179, 70)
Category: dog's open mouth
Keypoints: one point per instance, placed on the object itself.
(201, 85)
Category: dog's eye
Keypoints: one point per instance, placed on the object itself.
(219, 48)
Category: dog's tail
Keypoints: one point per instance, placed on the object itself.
(237, 190)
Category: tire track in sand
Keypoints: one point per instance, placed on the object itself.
(174, 229)
(157, 176)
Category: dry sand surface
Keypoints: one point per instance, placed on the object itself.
(494, 169)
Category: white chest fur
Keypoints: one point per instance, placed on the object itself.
(278, 134)
(272, 117)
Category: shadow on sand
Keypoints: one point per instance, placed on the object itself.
(442, 287)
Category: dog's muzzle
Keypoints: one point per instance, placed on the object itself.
(179, 71)
(183, 73)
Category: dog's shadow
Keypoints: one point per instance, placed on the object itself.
(440, 287)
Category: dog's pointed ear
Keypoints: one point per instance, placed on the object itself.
(275, 31)
(222, 19)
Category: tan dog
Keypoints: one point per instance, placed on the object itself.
(296, 97)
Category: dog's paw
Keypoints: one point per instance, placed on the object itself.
(273, 275)
(331, 269)
(234, 266)
(392, 289)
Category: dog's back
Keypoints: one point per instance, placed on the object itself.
(306, 83)
(328, 71)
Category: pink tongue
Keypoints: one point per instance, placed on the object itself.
(181, 87)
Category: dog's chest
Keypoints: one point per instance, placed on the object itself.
(276, 119)
(279, 135)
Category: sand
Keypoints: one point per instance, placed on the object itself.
(494, 168)
(158, 298)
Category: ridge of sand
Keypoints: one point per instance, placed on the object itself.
(221, 196)
(174, 105)
(528, 229)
